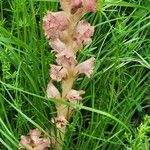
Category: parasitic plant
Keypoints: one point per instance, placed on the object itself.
(67, 33)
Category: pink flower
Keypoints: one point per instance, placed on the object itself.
(83, 33)
(90, 5)
(43, 143)
(86, 67)
(87, 5)
(34, 141)
(52, 91)
(60, 121)
(35, 134)
(57, 72)
(58, 45)
(54, 23)
(74, 96)
(25, 142)
(66, 58)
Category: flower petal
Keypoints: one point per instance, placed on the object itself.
(44, 143)
(83, 33)
(25, 142)
(52, 91)
(87, 5)
(86, 67)
(58, 45)
(57, 72)
(35, 134)
(60, 121)
(66, 59)
(90, 5)
(74, 96)
(53, 23)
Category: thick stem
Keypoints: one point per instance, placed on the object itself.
(66, 87)
(60, 138)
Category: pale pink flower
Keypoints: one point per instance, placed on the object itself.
(86, 67)
(88, 5)
(35, 134)
(43, 143)
(66, 58)
(52, 91)
(58, 45)
(35, 141)
(57, 72)
(25, 142)
(83, 33)
(60, 121)
(74, 96)
(54, 23)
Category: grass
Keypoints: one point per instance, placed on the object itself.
(117, 97)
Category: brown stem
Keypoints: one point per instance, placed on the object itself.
(66, 87)
(60, 138)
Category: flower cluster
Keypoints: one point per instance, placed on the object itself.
(35, 141)
(66, 34)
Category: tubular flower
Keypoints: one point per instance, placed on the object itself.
(54, 23)
(90, 5)
(87, 5)
(25, 142)
(52, 91)
(86, 67)
(66, 59)
(57, 72)
(35, 134)
(35, 141)
(74, 96)
(60, 121)
(83, 33)
(58, 45)
(43, 143)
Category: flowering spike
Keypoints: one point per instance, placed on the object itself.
(66, 34)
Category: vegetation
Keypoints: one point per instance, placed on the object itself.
(116, 104)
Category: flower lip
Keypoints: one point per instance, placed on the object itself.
(66, 59)
(74, 96)
(57, 72)
(86, 67)
(83, 33)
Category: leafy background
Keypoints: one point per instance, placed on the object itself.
(117, 100)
